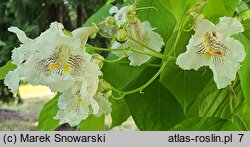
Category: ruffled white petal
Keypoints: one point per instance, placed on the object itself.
(58, 83)
(57, 27)
(61, 104)
(224, 73)
(104, 104)
(92, 85)
(117, 45)
(149, 38)
(12, 80)
(137, 59)
(113, 10)
(190, 59)
(84, 33)
(94, 106)
(20, 34)
(18, 56)
(121, 16)
(84, 90)
(124, 10)
(203, 26)
(236, 51)
(229, 26)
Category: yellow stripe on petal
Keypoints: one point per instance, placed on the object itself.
(66, 68)
(207, 55)
(80, 101)
(53, 67)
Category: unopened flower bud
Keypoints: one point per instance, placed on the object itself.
(110, 20)
(97, 58)
(105, 85)
(132, 14)
(108, 94)
(121, 35)
(92, 36)
(132, 7)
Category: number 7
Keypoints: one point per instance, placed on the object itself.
(241, 136)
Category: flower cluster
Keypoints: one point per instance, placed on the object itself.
(131, 31)
(59, 60)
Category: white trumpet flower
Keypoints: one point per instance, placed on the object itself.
(213, 46)
(53, 59)
(75, 104)
(82, 100)
(58, 60)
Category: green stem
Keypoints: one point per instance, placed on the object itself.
(122, 49)
(139, 89)
(105, 36)
(145, 64)
(187, 29)
(104, 49)
(117, 98)
(180, 29)
(176, 41)
(112, 61)
(232, 93)
(145, 46)
(149, 54)
(143, 8)
(149, 82)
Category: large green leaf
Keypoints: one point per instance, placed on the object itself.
(244, 116)
(152, 109)
(92, 123)
(120, 112)
(155, 109)
(244, 72)
(209, 101)
(217, 8)
(178, 8)
(45, 120)
(161, 18)
(5, 69)
(220, 103)
(99, 15)
(120, 75)
(185, 85)
(210, 124)
(246, 24)
(180, 45)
